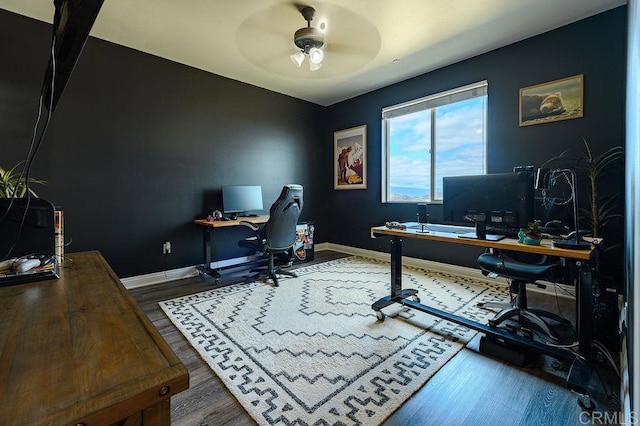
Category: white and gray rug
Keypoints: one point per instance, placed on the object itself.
(312, 350)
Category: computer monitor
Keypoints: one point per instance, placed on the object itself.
(503, 200)
(241, 200)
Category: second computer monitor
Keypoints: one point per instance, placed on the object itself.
(500, 199)
(241, 200)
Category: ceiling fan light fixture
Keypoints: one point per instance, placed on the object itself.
(316, 55)
(297, 58)
(314, 67)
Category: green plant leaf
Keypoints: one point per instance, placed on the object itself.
(11, 182)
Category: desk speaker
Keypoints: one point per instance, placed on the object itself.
(423, 216)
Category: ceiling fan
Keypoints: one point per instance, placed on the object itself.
(310, 41)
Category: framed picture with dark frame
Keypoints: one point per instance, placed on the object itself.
(552, 101)
(350, 154)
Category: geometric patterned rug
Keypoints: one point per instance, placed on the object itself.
(312, 351)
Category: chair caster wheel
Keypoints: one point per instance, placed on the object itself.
(511, 328)
(527, 332)
(586, 403)
(380, 315)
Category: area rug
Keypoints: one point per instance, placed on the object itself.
(312, 351)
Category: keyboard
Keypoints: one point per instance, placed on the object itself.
(436, 227)
(507, 232)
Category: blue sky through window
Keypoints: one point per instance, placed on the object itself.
(459, 148)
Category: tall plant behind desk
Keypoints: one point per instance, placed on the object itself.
(207, 227)
(584, 259)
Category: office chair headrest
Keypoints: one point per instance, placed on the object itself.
(280, 230)
(292, 192)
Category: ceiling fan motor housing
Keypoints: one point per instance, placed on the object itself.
(307, 38)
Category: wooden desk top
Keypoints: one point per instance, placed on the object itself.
(511, 244)
(79, 350)
(223, 223)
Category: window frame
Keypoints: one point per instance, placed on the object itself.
(430, 102)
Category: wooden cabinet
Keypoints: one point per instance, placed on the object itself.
(78, 350)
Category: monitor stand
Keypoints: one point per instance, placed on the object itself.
(422, 229)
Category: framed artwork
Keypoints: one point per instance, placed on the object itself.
(350, 156)
(553, 101)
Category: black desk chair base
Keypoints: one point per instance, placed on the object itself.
(272, 271)
(531, 316)
(520, 274)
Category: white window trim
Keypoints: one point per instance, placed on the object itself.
(458, 94)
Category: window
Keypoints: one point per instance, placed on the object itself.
(432, 137)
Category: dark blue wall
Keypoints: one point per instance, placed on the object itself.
(594, 47)
(139, 147)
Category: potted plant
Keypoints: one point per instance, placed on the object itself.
(12, 182)
(602, 207)
(530, 235)
(605, 203)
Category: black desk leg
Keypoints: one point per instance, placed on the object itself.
(206, 267)
(397, 293)
(206, 241)
(396, 266)
(584, 305)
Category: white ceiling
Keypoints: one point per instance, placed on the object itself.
(251, 40)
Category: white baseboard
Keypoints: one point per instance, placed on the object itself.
(159, 277)
(472, 273)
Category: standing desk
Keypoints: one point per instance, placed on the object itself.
(583, 259)
(209, 225)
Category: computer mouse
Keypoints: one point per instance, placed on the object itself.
(27, 266)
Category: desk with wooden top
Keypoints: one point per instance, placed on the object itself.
(583, 259)
(209, 225)
(78, 350)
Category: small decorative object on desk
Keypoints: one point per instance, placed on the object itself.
(531, 235)
(217, 215)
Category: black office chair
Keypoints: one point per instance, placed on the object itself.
(520, 274)
(276, 237)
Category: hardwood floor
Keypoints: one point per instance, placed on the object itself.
(471, 388)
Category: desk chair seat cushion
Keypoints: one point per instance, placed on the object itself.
(520, 273)
(254, 243)
(511, 268)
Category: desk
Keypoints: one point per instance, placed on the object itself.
(584, 304)
(207, 226)
(79, 350)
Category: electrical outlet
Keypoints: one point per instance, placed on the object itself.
(166, 247)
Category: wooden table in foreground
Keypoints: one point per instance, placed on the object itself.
(78, 350)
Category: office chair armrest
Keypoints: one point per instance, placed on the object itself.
(254, 227)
